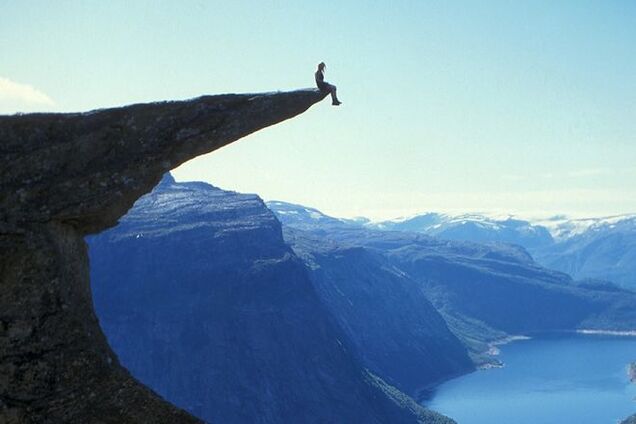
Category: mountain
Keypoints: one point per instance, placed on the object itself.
(484, 290)
(301, 217)
(204, 302)
(394, 328)
(64, 176)
(602, 249)
(591, 248)
(562, 227)
(472, 227)
(465, 227)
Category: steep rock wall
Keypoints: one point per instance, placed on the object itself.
(202, 300)
(63, 176)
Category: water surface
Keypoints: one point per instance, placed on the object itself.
(561, 379)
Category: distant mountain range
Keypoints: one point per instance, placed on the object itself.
(589, 248)
(244, 313)
(476, 286)
(603, 249)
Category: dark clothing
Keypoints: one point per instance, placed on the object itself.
(320, 82)
(326, 87)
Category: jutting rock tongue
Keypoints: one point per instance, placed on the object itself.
(63, 176)
(88, 169)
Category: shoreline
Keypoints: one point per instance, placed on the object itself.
(423, 394)
(493, 350)
(567, 358)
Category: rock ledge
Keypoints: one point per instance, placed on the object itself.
(63, 176)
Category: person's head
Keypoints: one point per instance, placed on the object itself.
(321, 66)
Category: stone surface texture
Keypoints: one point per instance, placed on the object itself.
(62, 177)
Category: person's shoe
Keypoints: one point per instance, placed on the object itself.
(336, 103)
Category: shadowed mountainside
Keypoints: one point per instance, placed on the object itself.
(605, 251)
(397, 332)
(481, 290)
(64, 176)
(203, 301)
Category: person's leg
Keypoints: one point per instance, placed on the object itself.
(334, 96)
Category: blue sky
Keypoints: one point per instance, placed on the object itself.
(521, 107)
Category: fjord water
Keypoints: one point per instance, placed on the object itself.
(550, 379)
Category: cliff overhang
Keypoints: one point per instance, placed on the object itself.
(63, 176)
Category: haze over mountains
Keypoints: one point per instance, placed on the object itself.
(484, 290)
(586, 248)
(206, 298)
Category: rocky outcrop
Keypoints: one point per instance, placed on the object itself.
(63, 176)
(86, 170)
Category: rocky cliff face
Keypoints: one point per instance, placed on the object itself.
(397, 332)
(203, 301)
(63, 176)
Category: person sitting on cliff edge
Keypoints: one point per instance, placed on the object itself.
(325, 86)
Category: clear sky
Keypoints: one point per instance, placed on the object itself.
(514, 106)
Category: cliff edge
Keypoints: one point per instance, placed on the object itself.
(63, 176)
